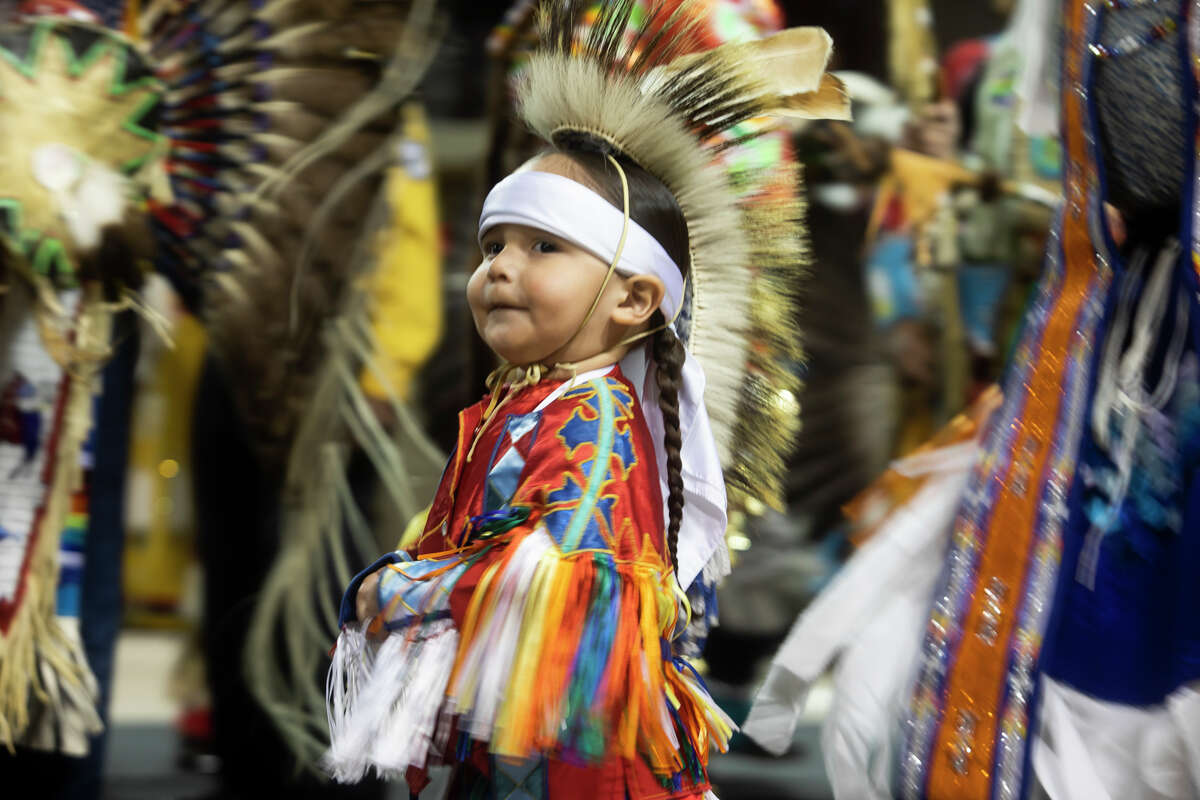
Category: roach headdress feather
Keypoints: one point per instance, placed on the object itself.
(642, 94)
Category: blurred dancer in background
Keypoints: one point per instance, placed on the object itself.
(72, 258)
(1060, 657)
(137, 138)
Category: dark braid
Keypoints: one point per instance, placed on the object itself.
(653, 207)
(668, 357)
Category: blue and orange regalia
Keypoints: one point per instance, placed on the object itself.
(544, 577)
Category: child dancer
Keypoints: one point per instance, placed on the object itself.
(531, 636)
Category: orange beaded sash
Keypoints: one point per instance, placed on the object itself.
(970, 713)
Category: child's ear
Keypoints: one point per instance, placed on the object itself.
(643, 296)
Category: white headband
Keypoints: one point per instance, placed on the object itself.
(571, 211)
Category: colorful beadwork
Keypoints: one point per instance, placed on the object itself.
(71, 61)
(1133, 43)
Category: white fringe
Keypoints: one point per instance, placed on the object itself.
(63, 716)
(486, 667)
(383, 699)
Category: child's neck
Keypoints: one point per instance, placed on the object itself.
(598, 361)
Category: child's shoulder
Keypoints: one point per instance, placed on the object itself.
(603, 412)
(600, 401)
(608, 394)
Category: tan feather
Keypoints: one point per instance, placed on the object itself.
(830, 101)
(360, 38)
(283, 13)
(792, 61)
(325, 90)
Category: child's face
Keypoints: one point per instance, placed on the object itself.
(533, 289)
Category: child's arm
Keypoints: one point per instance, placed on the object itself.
(366, 603)
(361, 599)
(366, 600)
